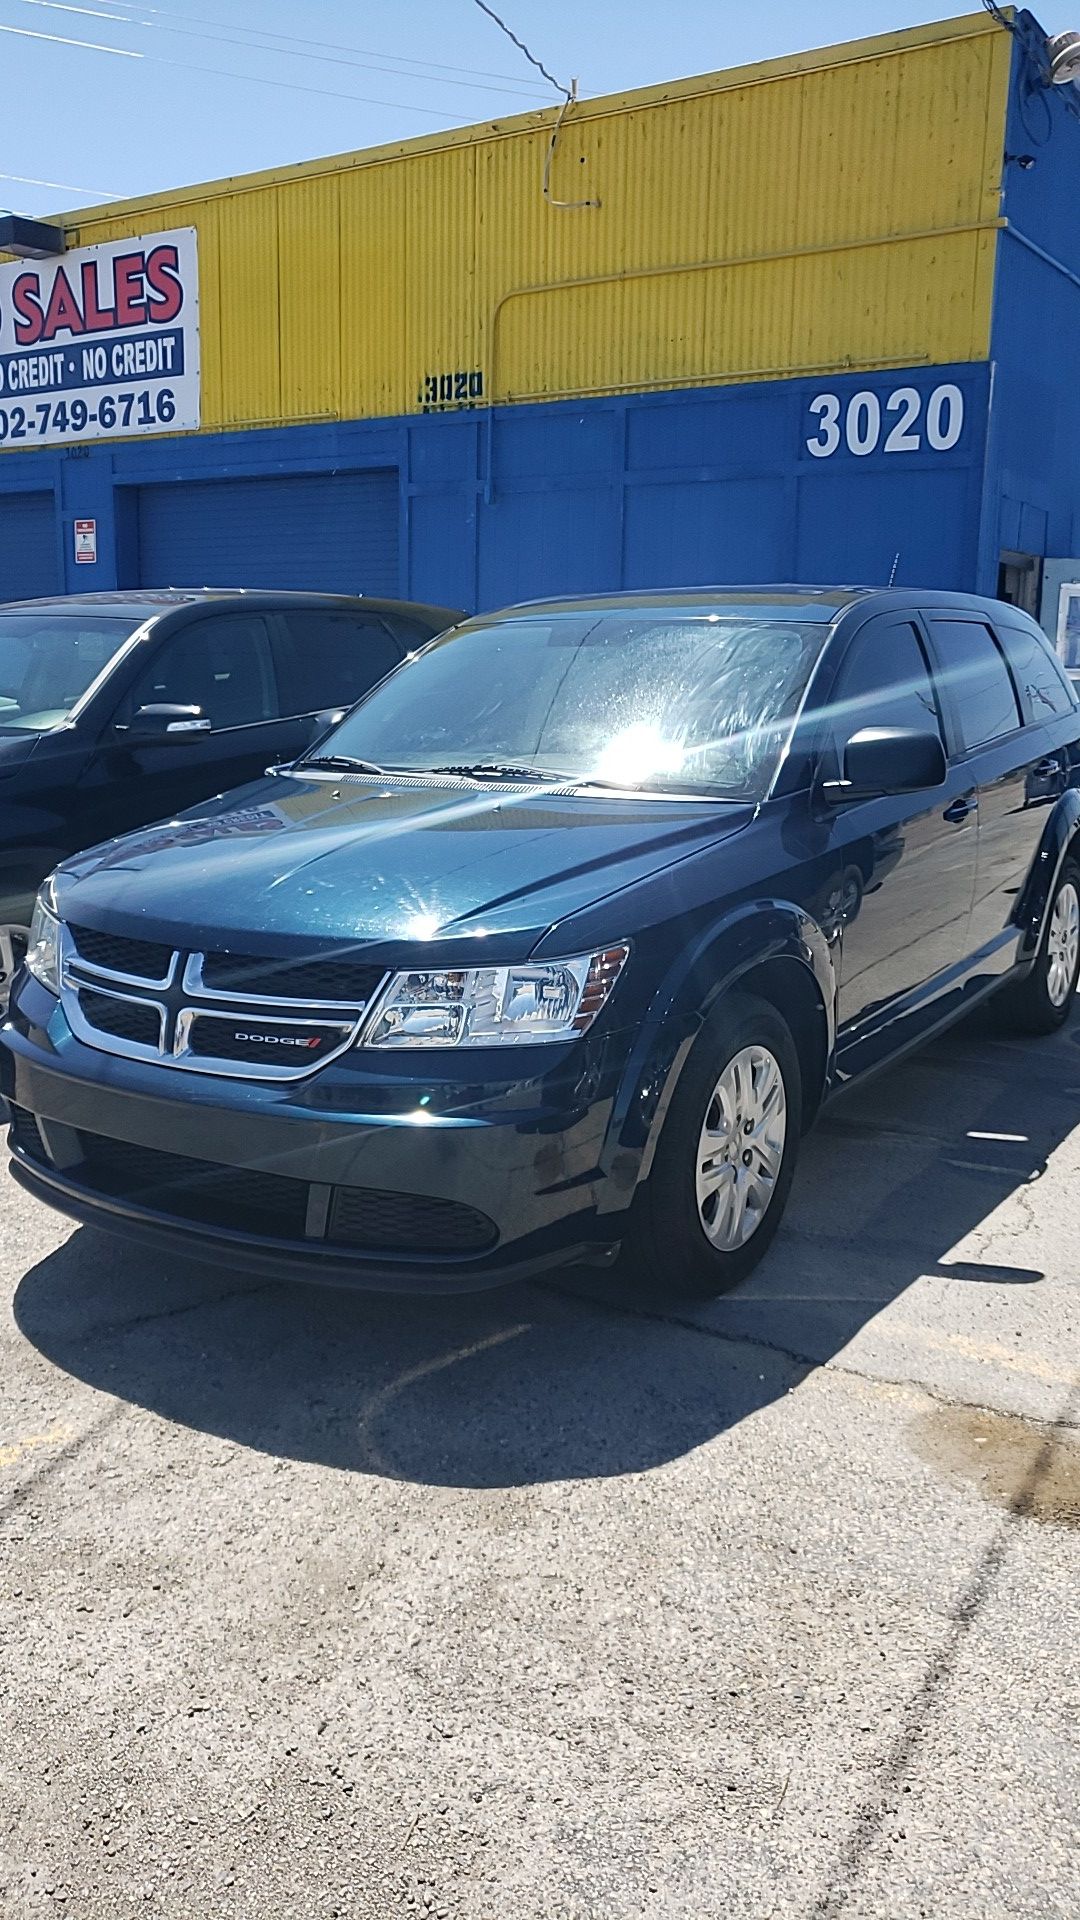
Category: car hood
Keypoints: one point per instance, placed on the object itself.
(302, 862)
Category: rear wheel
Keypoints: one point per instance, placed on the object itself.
(726, 1157)
(1043, 1000)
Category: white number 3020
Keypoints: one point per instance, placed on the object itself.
(862, 423)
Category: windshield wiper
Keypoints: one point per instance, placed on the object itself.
(686, 789)
(497, 770)
(338, 763)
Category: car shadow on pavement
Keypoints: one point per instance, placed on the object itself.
(568, 1377)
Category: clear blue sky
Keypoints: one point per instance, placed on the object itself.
(190, 97)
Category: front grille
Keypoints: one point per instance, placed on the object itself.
(348, 981)
(213, 1037)
(200, 1190)
(26, 1136)
(407, 1223)
(143, 959)
(134, 1020)
(210, 1025)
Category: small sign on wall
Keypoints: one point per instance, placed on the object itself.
(85, 543)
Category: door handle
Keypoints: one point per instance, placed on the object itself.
(958, 810)
(1045, 768)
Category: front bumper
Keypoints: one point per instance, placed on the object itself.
(422, 1177)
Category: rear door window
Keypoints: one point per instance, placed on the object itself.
(331, 659)
(976, 680)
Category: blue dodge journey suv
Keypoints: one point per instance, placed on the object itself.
(558, 942)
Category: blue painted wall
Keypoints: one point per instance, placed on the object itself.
(1032, 494)
(715, 485)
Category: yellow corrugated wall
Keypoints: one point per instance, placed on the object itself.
(828, 211)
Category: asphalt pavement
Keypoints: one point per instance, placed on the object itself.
(548, 1604)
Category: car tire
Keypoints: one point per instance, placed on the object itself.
(725, 1159)
(1043, 1000)
(15, 916)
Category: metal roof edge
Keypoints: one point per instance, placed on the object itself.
(721, 80)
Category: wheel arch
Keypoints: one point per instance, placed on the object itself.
(772, 948)
(1060, 840)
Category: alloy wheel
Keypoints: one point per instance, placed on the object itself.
(1062, 945)
(741, 1148)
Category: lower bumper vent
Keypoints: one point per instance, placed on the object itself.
(203, 1190)
(268, 1204)
(407, 1223)
(25, 1136)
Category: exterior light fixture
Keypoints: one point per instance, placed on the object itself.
(1063, 54)
(29, 239)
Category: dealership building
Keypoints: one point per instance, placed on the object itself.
(815, 320)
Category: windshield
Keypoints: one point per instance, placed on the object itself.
(47, 662)
(639, 698)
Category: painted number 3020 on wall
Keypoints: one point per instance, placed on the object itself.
(905, 422)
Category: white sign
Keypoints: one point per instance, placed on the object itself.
(903, 421)
(85, 543)
(101, 343)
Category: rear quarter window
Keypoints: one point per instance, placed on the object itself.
(1039, 675)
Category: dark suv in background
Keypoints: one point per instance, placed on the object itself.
(117, 709)
(559, 941)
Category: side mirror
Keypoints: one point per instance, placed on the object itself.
(880, 760)
(165, 721)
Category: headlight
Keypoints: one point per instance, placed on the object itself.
(496, 1006)
(43, 952)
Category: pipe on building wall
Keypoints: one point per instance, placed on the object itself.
(628, 275)
(1040, 253)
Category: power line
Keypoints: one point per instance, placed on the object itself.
(223, 73)
(333, 52)
(60, 40)
(60, 186)
(569, 94)
(520, 44)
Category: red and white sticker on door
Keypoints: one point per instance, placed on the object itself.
(85, 543)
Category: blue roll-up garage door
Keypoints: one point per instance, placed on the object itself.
(334, 532)
(28, 557)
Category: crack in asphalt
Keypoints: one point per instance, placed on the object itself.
(897, 1757)
(20, 1495)
(172, 1313)
(804, 1363)
(63, 1456)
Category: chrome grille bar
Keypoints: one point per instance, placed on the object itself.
(183, 1002)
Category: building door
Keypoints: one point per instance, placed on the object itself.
(310, 532)
(29, 564)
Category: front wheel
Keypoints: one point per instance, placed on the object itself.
(1043, 1000)
(726, 1157)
